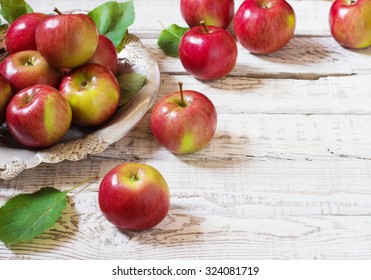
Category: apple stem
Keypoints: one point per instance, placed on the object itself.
(182, 102)
(57, 11)
(82, 183)
(202, 22)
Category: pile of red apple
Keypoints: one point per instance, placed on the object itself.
(208, 51)
(58, 71)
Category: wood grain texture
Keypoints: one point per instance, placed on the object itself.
(210, 226)
(287, 175)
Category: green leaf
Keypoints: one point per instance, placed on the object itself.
(130, 84)
(113, 19)
(26, 216)
(169, 39)
(11, 10)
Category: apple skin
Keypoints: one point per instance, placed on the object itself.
(6, 95)
(27, 68)
(67, 40)
(38, 116)
(93, 93)
(350, 23)
(208, 55)
(106, 54)
(264, 26)
(20, 35)
(184, 129)
(213, 12)
(134, 196)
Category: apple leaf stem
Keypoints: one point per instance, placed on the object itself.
(83, 183)
(57, 11)
(182, 102)
(202, 22)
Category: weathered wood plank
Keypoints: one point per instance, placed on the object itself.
(295, 177)
(306, 58)
(242, 95)
(207, 226)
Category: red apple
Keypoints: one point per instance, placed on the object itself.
(106, 54)
(134, 196)
(264, 26)
(28, 68)
(38, 116)
(93, 93)
(213, 12)
(208, 53)
(67, 40)
(350, 23)
(184, 121)
(20, 35)
(6, 95)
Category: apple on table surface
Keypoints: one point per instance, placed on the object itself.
(67, 40)
(28, 68)
(264, 26)
(93, 93)
(38, 116)
(20, 35)
(213, 12)
(6, 95)
(208, 52)
(134, 196)
(350, 23)
(184, 121)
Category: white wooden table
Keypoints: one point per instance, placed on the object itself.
(287, 175)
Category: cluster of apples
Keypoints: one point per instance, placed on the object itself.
(59, 71)
(208, 51)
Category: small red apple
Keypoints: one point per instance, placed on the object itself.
(20, 35)
(106, 54)
(67, 40)
(38, 116)
(134, 196)
(6, 95)
(208, 52)
(350, 23)
(184, 121)
(264, 26)
(93, 93)
(214, 12)
(28, 68)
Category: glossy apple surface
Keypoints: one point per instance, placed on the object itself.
(134, 196)
(20, 35)
(106, 54)
(264, 26)
(184, 126)
(38, 116)
(213, 12)
(67, 40)
(350, 23)
(208, 53)
(93, 93)
(27, 68)
(6, 95)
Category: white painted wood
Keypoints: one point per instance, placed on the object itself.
(287, 175)
(302, 58)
